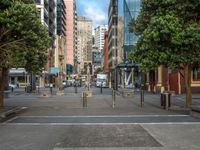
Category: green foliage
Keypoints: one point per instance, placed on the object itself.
(23, 38)
(169, 33)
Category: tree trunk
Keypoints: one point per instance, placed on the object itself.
(3, 76)
(187, 77)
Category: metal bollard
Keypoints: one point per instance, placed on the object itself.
(101, 89)
(38, 89)
(76, 89)
(166, 101)
(51, 90)
(84, 100)
(142, 97)
(113, 98)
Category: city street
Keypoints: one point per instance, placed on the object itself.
(60, 58)
(61, 123)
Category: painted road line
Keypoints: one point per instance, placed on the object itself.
(106, 116)
(88, 124)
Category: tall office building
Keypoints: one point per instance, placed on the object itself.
(112, 33)
(130, 11)
(112, 42)
(61, 17)
(84, 41)
(43, 9)
(99, 38)
(105, 54)
(70, 34)
(47, 11)
(76, 62)
(60, 48)
(121, 41)
(120, 13)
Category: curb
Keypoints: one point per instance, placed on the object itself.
(11, 112)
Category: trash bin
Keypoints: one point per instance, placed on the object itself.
(165, 97)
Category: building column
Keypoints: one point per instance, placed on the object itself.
(179, 83)
(159, 85)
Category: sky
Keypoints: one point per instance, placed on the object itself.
(95, 10)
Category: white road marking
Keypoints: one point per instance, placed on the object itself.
(107, 116)
(87, 124)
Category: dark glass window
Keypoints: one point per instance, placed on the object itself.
(196, 74)
(37, 1)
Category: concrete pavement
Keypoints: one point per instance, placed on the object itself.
(61, 123)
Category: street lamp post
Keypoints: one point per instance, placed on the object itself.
(115, 76)
(88, 77)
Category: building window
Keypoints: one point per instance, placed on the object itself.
(37, 1)
(196, 74)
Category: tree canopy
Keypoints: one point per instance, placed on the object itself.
(169, 33)
(23, 38)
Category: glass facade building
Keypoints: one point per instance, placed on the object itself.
(131, 10)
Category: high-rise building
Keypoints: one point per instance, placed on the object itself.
(112, 33)
(47, 11)
(99, 36)
(70, 34)
(105, 54)
(61, 18)
(130, 11)
(120, 40)
(60, 48)
(112, 42)
(76, 62)
(43, 9)
(84, 41)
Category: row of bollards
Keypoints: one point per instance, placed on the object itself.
(141, 98)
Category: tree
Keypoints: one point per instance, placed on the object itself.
(23, 39)
(169, 35)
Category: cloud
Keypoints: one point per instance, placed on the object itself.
(95, 10)
(96, 15)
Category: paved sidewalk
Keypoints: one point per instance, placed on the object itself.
(98, 104)
(61, 123)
